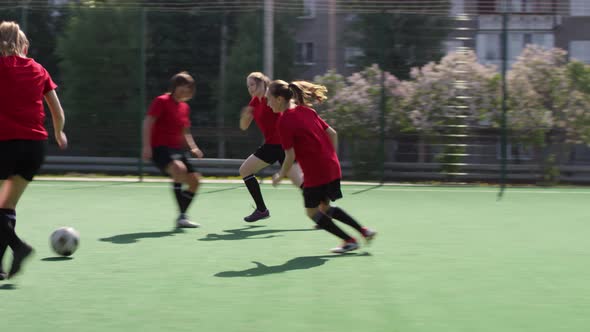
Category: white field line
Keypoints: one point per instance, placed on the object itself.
(45, 182)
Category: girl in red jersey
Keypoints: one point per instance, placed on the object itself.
(23, 85)
(268, 153)
(309, 138)
(166, 131)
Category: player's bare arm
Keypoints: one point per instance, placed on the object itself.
(190, 141)
(287, 164)
(333, 137)
(148, 123)
(246, 117)
(57, 115)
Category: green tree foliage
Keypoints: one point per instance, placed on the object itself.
(398, 42)
(185, 41)
(100, 51)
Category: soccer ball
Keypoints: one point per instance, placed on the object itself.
(64, 241)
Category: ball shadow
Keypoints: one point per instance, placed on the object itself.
(57, 259)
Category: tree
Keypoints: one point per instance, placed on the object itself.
(450, 97)
(100, 52)
(548, 104)
(397, 41)
(354, 105)
(354, 109)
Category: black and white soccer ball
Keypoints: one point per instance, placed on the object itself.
(64, 241)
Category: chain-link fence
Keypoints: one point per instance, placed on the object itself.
(460, 90)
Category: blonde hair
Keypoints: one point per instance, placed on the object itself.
(13, 40)
(304, 93)
(259, 78)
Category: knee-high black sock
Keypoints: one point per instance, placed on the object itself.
(186, 200)
(11, 215)
(254, 189)
(327, 224)
(7, 234)
(177, 186)
(339, 214)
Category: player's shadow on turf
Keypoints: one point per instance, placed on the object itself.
(248, 233)
(8, 287)
(135, 237)
(298, 263)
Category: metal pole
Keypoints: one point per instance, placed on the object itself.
(503, 120)
(268, 37)
(24, 15)
(382, 105)
(222, 87)
(142, 78)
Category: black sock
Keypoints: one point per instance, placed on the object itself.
(177, 187)
(327, 224)
(254, 189)
(186, 200)
(339, 214)
(11, 215)
(7, 234)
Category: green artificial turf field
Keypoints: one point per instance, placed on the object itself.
(445, 259)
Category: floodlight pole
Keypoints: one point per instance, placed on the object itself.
(142, 90)
(24, 15)
(503, 120)
(268, 38)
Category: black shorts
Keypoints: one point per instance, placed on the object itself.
(270, 153)
(313, 196)
(163, 155)
(21, 157)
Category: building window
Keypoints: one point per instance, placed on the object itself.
(489, 45)
(309, 8)
(579, 8)
(457, 7)
(304, 55)
(580, 50)
(351, 56)
(525, 6)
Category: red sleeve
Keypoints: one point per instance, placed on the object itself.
(285, 132)
(254, 102)
(321, 121)
(155, 108)
(49, 84)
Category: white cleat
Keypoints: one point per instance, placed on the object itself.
(184, 222)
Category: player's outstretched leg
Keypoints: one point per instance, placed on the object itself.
(20, 249)
(341, 215)
(325, 222)
(248, 169)
(179, 173)
(3, 246)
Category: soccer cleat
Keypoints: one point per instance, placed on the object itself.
(184, 222)
(18, 257)
(348, 245)
(3, 275)
(368, 234)
(257, 215)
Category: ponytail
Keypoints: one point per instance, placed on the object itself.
(306, 93)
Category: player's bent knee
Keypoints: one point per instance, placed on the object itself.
(245, 171)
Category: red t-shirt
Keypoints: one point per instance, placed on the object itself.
(171, 118)
(23, 83)
(266, 120)
(302, 129)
